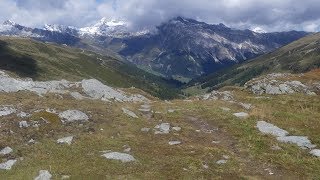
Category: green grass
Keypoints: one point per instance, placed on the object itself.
(249, 151)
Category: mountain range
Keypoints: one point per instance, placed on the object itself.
(180, 48)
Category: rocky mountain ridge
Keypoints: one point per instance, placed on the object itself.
(180, 48)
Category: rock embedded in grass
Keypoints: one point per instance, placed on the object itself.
(6, 110)
(171, 143)
(315, 152)
(222, 161)
(70, 116)
(267, 128)
(43, 175)
(301, 141)
(65, 140)
(145, 129)
(225, 109)
(23, 124)
(176, 128)
(8, 164)
(123, 157)
(6, 150)
(129, 113)
(23, 115)
(241, 115)
(163, 128)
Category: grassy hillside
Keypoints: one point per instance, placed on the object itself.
(208, 135)
(44, 61)
(298, 57)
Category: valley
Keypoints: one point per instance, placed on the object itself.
(184, 99)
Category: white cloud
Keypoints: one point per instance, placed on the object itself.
(271, 15)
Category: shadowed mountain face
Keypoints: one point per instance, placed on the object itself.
(22, 65)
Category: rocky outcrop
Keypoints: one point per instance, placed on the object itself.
(278, 83)
(218, 95)
(90, 89)
(282, 136)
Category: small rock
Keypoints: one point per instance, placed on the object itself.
(176, 128)
(65, 140)
(23, 124)
(31, 141)
(6, 150)
(276, 148)
(222, 161)
(43, 175)
(315, 152)
(65, 177)
(145, 129)
(127, 150)
(205, 166)
(123, 157)
(145, 106)
(174, 143)
(164, 128)
(225, 109)
(7, 165)
(73, 116)
(245, 105)
(144, 110)
(77, 96)
(129, 113)
(226, 157)
(7, 110)
(23, 115)
(241, 115)
(215, 142)
(269, 171)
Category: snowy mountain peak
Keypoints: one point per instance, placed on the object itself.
(9, 22)
(258, 30)
(106, 27)
(58, 28)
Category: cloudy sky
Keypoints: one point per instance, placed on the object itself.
(271, 15)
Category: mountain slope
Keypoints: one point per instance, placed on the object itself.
(44, 61)
(300, 56)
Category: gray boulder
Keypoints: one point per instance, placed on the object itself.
(6, 150)
(301, 141)
(271, 129)
(73, 116)
(315, 152)
(7, 165)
